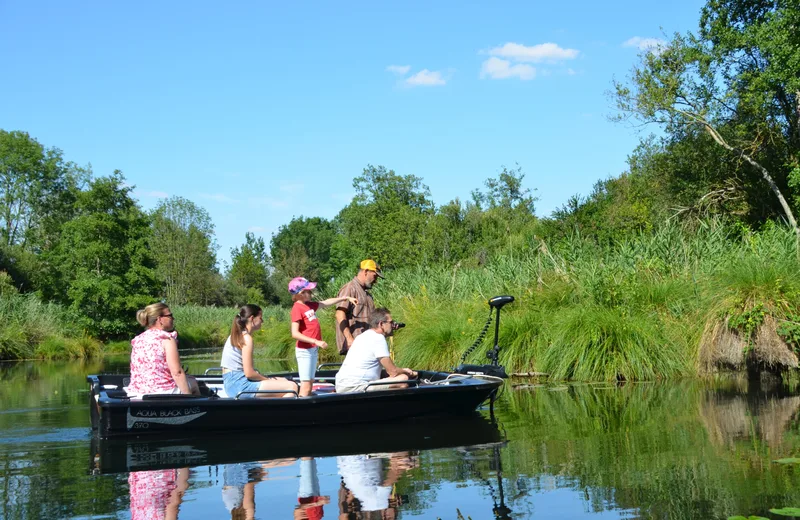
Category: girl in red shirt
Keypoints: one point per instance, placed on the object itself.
(306, 329)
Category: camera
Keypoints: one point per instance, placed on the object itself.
(397, 325)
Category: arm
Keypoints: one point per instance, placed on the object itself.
(302, 337)
(393, 370)
(342, 325)
(338, 299)
(174, 364)
(247, 360)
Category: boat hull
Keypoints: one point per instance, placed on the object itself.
(113, 414)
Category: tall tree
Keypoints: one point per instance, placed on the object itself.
(36, 184)
(303, 248)
(250, 267)
(101, 265)
(386, 220)
(738, 80)
(184, 248)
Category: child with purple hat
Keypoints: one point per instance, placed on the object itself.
(306, 330)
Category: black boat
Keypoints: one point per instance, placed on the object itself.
(123, 454)
(461, 391)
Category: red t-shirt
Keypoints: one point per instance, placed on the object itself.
(305, 314)
(313, 512)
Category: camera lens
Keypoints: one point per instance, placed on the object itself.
(398, 325)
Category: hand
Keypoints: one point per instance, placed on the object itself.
(320, 343)
(354, 301)
(410, 373)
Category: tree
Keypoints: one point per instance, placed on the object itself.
(35, 185)
(386, 220)
(250, 268)
(101, 265)
(738, 81)
(303, 248)
(183, 246)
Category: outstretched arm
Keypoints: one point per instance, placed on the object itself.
(338, 299)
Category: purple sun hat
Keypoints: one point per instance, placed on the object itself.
(301, 284)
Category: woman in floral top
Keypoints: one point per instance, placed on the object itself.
(155, 364)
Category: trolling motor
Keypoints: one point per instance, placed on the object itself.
(493, 369)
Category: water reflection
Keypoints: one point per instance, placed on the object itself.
(687, 450)
(238, 485)
(310, 501)
(368, 484)
(157, 495)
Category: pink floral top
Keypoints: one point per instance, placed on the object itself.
(150, 493)
(149, 370)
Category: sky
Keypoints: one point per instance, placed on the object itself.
(263, 111)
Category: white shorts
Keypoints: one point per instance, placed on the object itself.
(306, 362)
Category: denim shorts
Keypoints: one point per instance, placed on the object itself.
(306, 362)
(236, 382)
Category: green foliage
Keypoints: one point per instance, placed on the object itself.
(250, 270)
(386, 220)
(303, 248)
(786, 511)
(101, 265)
(736, 82)
(26, 323)
(183, 247)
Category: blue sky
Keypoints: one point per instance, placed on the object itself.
(261, 111)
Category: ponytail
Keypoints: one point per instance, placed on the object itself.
(240, 323)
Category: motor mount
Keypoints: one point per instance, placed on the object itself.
(493, 369)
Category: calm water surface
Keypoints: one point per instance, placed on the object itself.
(678, 450)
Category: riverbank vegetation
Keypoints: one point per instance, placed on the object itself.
(685, 263)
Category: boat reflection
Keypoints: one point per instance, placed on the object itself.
(157, 494)
(121, 455)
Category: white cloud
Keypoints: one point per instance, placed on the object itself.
(495, 68)
(571, 72)
(218, 197)
(543, 52)
(400, 70)
(426, 78)
(644, 44)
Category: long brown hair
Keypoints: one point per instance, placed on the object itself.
(240, 323)
(148, 316)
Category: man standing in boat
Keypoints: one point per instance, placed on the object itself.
(353, 319)
(368, 354)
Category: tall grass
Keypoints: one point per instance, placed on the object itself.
(30, 328)
(632, 310)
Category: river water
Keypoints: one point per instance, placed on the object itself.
(668, 450)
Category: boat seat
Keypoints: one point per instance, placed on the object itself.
(323, 388)
(218, 389)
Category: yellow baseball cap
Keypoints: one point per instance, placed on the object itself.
(370, 265)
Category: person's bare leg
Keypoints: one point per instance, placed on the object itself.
(278, 384)
(305, 388)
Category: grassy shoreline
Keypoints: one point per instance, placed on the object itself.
(640, 309)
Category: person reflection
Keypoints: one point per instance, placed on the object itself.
(157, 494)
(365, 493)
(309, 500)
(238, 486)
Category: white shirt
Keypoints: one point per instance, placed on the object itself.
(362, 364)
(362, 476)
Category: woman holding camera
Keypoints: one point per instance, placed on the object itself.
(306, 329)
